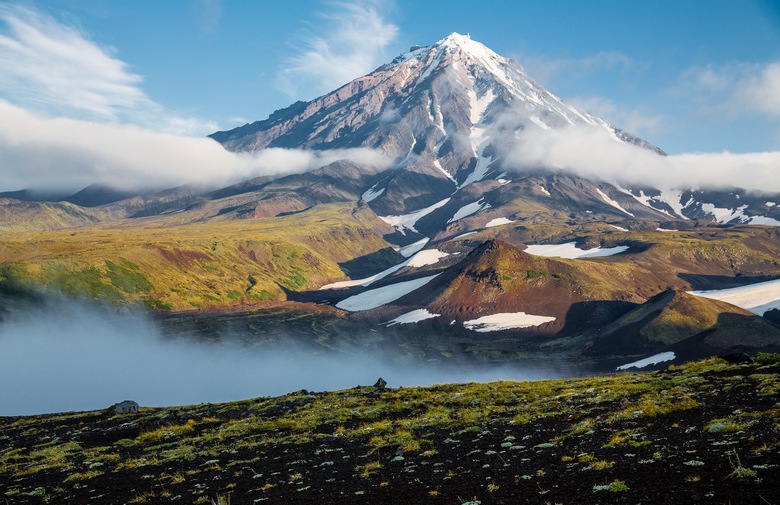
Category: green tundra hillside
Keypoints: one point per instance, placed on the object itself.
(201, 265)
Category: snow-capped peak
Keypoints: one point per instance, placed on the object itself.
(455, 41)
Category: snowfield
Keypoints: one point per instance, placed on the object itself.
(506, 321)
(374, 298)
(612, 202)
(407, 221)
(411, 249)
(652, 360)
(570, 251)
(470, 209)
(421, 259)
(414, 316)
(757, 298)
(498, 222)
(371, 194)
(767, 221)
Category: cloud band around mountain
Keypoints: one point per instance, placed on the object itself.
(67, 154)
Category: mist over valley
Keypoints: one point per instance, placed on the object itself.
(71, 355)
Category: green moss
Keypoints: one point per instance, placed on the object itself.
(88, 281)
(533, 274)
(126, 277)
(157, 304)
(14, 279)
(767, 358)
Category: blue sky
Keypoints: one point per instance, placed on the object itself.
(689, 76)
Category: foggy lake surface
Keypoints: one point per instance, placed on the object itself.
(72, 356)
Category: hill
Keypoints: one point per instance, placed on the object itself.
(196, 266)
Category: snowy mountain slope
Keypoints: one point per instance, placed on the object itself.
(448, 114)
(445, 113)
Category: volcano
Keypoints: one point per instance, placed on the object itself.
(447, 117)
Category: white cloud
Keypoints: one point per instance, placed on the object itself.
(734, 89)
(49, 66)
(593, 152)
(352, 41)
(68, 154)
(762, 92)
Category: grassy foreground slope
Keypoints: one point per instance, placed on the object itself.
(211, 264)
(703, 432)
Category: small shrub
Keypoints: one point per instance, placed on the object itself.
(740, 472)
(767, 358)
(602, 465)
(80, 477)
(616, 486)
(368, 469)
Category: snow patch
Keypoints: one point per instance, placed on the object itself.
(421, 259)
(652, 360)
(374, 298)
(478, 136)
(646, 200)
(673, 198)
(414, 316)
(466, 234)
(612, 202)
(570, 251)
(480, 171)
(506, 321)
(498, 222)
(725, 215)
(372, 193)
(441, 169)
(425, 258)
(770, 204)
(757, 298)
(410, 249)
(430, 68)
(468, 210)
(408, 221)
(618, 228)
(764, 220)
(544, 190)
(479, 105)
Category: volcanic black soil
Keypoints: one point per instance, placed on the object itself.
(705, 432)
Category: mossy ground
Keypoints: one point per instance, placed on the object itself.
(704, 432)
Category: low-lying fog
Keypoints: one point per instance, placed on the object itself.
(66, 356)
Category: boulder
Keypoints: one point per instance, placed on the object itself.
(736, 358)
(125, 407)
